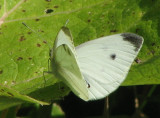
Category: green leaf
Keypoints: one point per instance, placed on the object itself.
(24, 56)
(9, 96)
(57, 111)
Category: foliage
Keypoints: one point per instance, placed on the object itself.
(24, 56)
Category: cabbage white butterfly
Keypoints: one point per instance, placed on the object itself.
(96, 68)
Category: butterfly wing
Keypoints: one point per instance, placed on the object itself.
(105, 62)
(65, 66)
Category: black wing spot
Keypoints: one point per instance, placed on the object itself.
(134, 39)
(88, 85)
(113, 56)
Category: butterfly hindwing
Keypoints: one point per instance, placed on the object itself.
(65, 66)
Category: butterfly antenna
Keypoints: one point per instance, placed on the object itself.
(37, 34)
(66, 22)
(49, 49)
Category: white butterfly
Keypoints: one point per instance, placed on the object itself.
(96, 68)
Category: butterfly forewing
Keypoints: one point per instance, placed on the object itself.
(105, 62)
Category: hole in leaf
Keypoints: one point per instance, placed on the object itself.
(37, 19)
(29, 32)
(113, 30)
(89, 20)
(48, 0)
(22, 38)
(38, 45)
(56, 6)
(29, 58)
(19, 58)
(40, 30)
(23, 10)
(44, 42)
(1, 71)
(48, 11)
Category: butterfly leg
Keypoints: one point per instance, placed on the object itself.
(49, 60)
(44, 76)
(46, 71)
